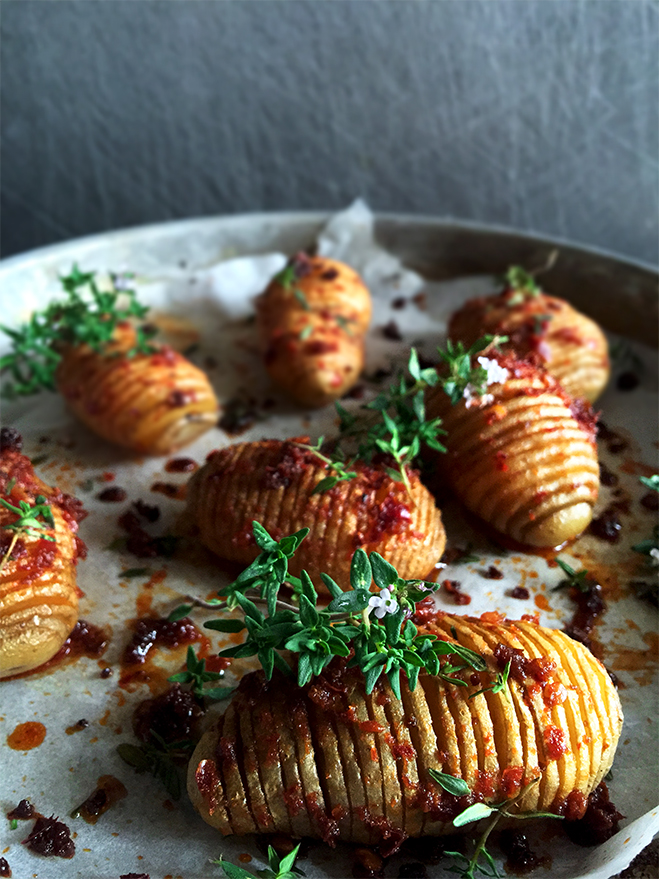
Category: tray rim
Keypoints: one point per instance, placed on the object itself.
(315, 219)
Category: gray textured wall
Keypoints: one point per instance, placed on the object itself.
(538, 115)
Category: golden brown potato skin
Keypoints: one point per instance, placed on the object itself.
(38, 591)
(312, 329)
(545, 330)
(151, 403)
(272, 482)
(558, 720)
(525, 463)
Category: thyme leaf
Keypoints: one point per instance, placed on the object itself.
(32, 520)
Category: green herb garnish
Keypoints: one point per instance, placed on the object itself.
(28, 522)
(87, 316)
(158, 758)
(468, 868)
(278, 867)
(375, 627)
(197, 675)
(574, 579)
(337, 466)
(457, 787)
(286, 277)
(522, 283)
(129, 573)
(650, 547)
(395, 422)
(13, 824)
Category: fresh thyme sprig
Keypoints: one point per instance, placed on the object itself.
(33, 520)
(574, 579)
(395, 424)
(372, 630)
(279, 867)
(87, 316)
(468, 868)
(159, 758)
(338, 466)
(197, 675)
(522, 283)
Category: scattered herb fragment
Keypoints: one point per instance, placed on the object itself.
(574, 579)
(197, 675)
(28, 522)
(135, 572)
(159, 759)
(468, 868)
(278, 867)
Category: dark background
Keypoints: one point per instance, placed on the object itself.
(536, 115)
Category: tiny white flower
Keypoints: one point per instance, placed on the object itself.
(383, 603)
(495, 372)
(473, 398)
(654, 553)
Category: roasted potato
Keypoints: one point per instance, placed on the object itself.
(329, 761)
(151, 403)
(38, 591)
(544, 330)
(312, 319)
(273, 482)
(524, 460)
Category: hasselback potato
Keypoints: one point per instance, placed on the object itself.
(152, 403)
(312, 319)
(329, 761)
(38, 591)
(524, 457)
(273, 481)
(543, 329)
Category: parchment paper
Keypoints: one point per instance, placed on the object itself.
(209, 302)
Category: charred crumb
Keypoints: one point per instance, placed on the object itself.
(239, 415)
(520, 592)
(607, 477)
(452, 587)
(50, 838)
(520, 859)
(392, 331)
(646, 591)
(600, 822)
(174, 716)
(112, 495)
(148, 512)
(491, 573)
(24, 811)
(10, 440)
(607, 526)
(628, 381)
(366, 863)
(399, 302)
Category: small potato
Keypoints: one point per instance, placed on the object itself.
(352, 760)
(543, 329)
(38, 590)
(524, 460)
(312, 319)
(151, 403)
(273, 482)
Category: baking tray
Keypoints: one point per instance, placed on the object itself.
(177, 264)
